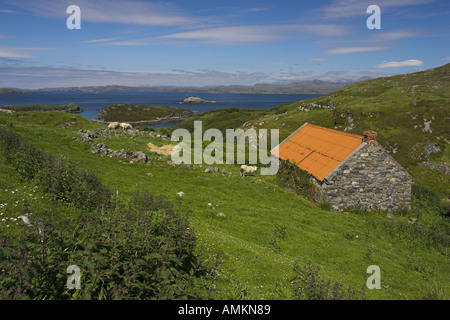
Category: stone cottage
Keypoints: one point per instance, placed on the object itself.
(348, 170)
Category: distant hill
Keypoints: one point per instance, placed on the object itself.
(410, 113)
(10, 90)
(298, 87)
(70, 108)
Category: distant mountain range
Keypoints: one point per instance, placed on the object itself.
(298, 87)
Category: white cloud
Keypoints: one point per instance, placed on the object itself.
(397, 64)
(7, 11)
(10, 52)
(256, 9)
(100, 40)
(295, 76)
(258, 33)
(395, 35)
(351, 50)
(318, 59)
(446, 58)
(41, 77)
(137, 42)
(135, 12)
(351, 8)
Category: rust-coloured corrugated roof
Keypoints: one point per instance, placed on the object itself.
(318, 150)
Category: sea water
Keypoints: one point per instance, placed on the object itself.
(91, 103)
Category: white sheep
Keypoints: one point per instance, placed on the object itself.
(248, 170)
(113, 125)
(125, 126)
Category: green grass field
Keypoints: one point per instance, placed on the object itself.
(414, 265)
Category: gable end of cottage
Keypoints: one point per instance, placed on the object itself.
(369, 178)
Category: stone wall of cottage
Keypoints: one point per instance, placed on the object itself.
(369, 179)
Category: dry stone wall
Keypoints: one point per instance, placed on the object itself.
(368, 179)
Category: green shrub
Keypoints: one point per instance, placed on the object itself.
(295, 178)
(140, 250)
(429, 200)
(309, 285)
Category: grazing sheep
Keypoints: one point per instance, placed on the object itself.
(125, 126)
(248, 170)
(113, 125)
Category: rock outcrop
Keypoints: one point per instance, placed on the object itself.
(429, 149)
(438, 167)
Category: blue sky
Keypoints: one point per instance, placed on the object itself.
(211, 42)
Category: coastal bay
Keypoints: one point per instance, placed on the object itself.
(92, 103)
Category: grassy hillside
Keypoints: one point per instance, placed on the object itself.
(409, 112)
(133, 113)
(268, 231)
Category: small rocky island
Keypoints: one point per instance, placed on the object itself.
(196, 100)
(141, 115)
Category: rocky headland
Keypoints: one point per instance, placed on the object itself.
(141, 115)
(69, 108)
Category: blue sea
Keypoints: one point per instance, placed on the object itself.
(91, 103)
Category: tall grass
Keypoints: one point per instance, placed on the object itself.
(75, 187)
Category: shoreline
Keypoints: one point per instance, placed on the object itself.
(143, 122)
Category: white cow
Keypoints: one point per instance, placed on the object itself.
(248, 170)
